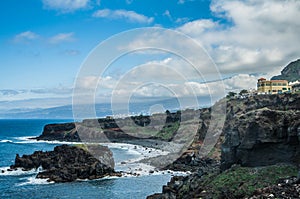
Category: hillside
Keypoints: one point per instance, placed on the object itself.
(261, 149)
(291, 72)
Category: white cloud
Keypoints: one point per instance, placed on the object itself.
(66, 5)
(62, 37)
(158, 79)
(182, 20)
(197, 27)
(129, 1)
(25, 36)
(130, 16)
(37, 93)
(192, 88)
(167, 14)
(89, 82)
(262, 38)
(183, 1)
(241, 81)
(72, 52)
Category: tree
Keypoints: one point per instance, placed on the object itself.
(243, 92)
(231, 94)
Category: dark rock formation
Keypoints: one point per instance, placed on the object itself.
(68, 163)
(188, 186)
(109, 129)
(262, 130)
(291, 72)
(60, 132)
(259, 130)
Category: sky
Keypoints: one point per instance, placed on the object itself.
(45, 44)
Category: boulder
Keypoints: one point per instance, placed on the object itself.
(69, 163)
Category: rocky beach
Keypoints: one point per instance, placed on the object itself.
(69, 163)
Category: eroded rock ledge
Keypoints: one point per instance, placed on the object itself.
(69, 163)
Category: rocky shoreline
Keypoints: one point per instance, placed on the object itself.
(69, 163)
(259, 131)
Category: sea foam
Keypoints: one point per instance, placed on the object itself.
(5, 171)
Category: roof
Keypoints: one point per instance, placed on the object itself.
(279, 80)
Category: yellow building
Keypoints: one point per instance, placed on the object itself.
(272, 86)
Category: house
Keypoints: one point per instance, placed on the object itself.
(272, 86)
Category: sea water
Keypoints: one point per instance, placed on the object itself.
(14, 140)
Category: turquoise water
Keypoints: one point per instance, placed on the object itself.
(21, 184)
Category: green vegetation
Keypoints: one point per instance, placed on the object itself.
(230, 95)
(243, 92)
(241, 182)
(82, 146)
(168, 131)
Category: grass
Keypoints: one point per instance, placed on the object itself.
(241, 182)
(168, 131)
(82, 146)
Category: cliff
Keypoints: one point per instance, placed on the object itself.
(259, 130)
(260, 154)
(69, 163)
(291, 72)
(110, 129)
(262, 130)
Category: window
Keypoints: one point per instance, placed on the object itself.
(268, 84)
(284, 84)
(279, 84)
(284, 89)
(274, 84)
(274, 91)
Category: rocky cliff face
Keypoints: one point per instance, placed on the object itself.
(109, 129)
(259, 131)
(291, 72)
(262, 130)
(60, 132)
(69, 163)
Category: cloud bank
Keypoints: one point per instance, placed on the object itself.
(66, 5)
(129, 16)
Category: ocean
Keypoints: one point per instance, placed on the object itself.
(14, 140)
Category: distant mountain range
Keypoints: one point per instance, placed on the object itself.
(102, 110)
(290, 73)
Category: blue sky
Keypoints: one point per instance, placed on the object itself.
(30, 25)
(44, 42)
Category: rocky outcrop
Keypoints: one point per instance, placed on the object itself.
(259, 130)
(110, 129)
(188, 186)
(262, 130)
(60, 132)
(291, 72)
(69, 163)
